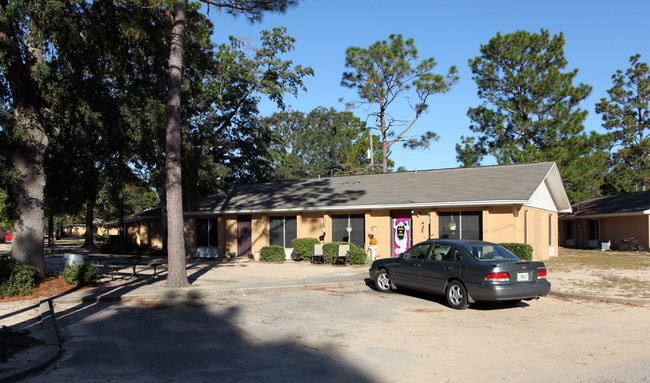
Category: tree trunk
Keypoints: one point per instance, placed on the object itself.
(50, 230)
(177, 273)
(120, 221)
(28, 149)
(163, 218)
(28, 160)
(90, 207)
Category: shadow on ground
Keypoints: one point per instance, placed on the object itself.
(188, 340)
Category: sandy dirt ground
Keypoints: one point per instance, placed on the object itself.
(410, 337)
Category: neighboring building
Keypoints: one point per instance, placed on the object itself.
(506, 203)
(601, 222)
(143, 228)
(79, 229)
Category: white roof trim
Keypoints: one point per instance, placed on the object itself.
(608, 215)
(405, 206)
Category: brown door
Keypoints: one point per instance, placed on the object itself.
(243, 235)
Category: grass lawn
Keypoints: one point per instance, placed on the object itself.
(597, 259)
(625, 271)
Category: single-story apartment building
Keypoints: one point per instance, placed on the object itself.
(505, 203)
(604, 222)
(142, 228)
(78, 229)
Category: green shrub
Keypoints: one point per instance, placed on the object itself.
(273, 253)
(356, 255)
(16, 278)
(80, 274)
(303, 248)
(100, 238)
(522, 250)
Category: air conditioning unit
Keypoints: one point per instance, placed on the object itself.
(605, 245)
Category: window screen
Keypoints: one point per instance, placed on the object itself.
(460, 225)
(570, 229)
(207, 232)
(283, 230)
(356, 235)
(593, 229)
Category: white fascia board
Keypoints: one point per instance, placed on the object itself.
(592, 216)
(363, 207)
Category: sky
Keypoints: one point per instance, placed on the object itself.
(600, 37)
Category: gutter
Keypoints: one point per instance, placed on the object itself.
(402, 206)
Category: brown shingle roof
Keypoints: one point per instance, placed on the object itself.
(488, 185)
(630, 203)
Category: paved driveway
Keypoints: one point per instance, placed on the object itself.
(350, 334)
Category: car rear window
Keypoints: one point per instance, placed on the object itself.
(490, 253)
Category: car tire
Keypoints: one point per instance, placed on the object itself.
(457, 296)
(383, 282)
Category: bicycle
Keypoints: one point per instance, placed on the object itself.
(630, 244)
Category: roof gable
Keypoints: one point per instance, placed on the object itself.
(477, 186)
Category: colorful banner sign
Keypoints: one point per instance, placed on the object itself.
(401, 233)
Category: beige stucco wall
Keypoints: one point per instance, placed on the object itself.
(310, 225)
(613, 228)
(500, 224)
(618, 228)
(381, 220)
(80, 231)
(545, 239)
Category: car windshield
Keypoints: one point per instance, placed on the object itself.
(490, 253)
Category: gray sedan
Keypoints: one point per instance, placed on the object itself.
(463, 271)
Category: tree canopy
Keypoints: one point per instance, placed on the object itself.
(320, 143)
(386, 72)
(530, 111)
(626, 115)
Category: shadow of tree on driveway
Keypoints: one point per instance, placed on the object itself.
(186, 341)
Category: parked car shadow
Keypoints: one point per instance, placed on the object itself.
(440, 299)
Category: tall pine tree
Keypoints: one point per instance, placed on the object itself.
(530, 111)
(626, 115)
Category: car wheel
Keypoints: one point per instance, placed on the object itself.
(457, 296)
(382, 281)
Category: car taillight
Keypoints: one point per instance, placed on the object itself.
(541, 274)
(497, 277)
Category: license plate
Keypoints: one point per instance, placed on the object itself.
(523, 277)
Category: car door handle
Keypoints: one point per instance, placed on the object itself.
(447, 268)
